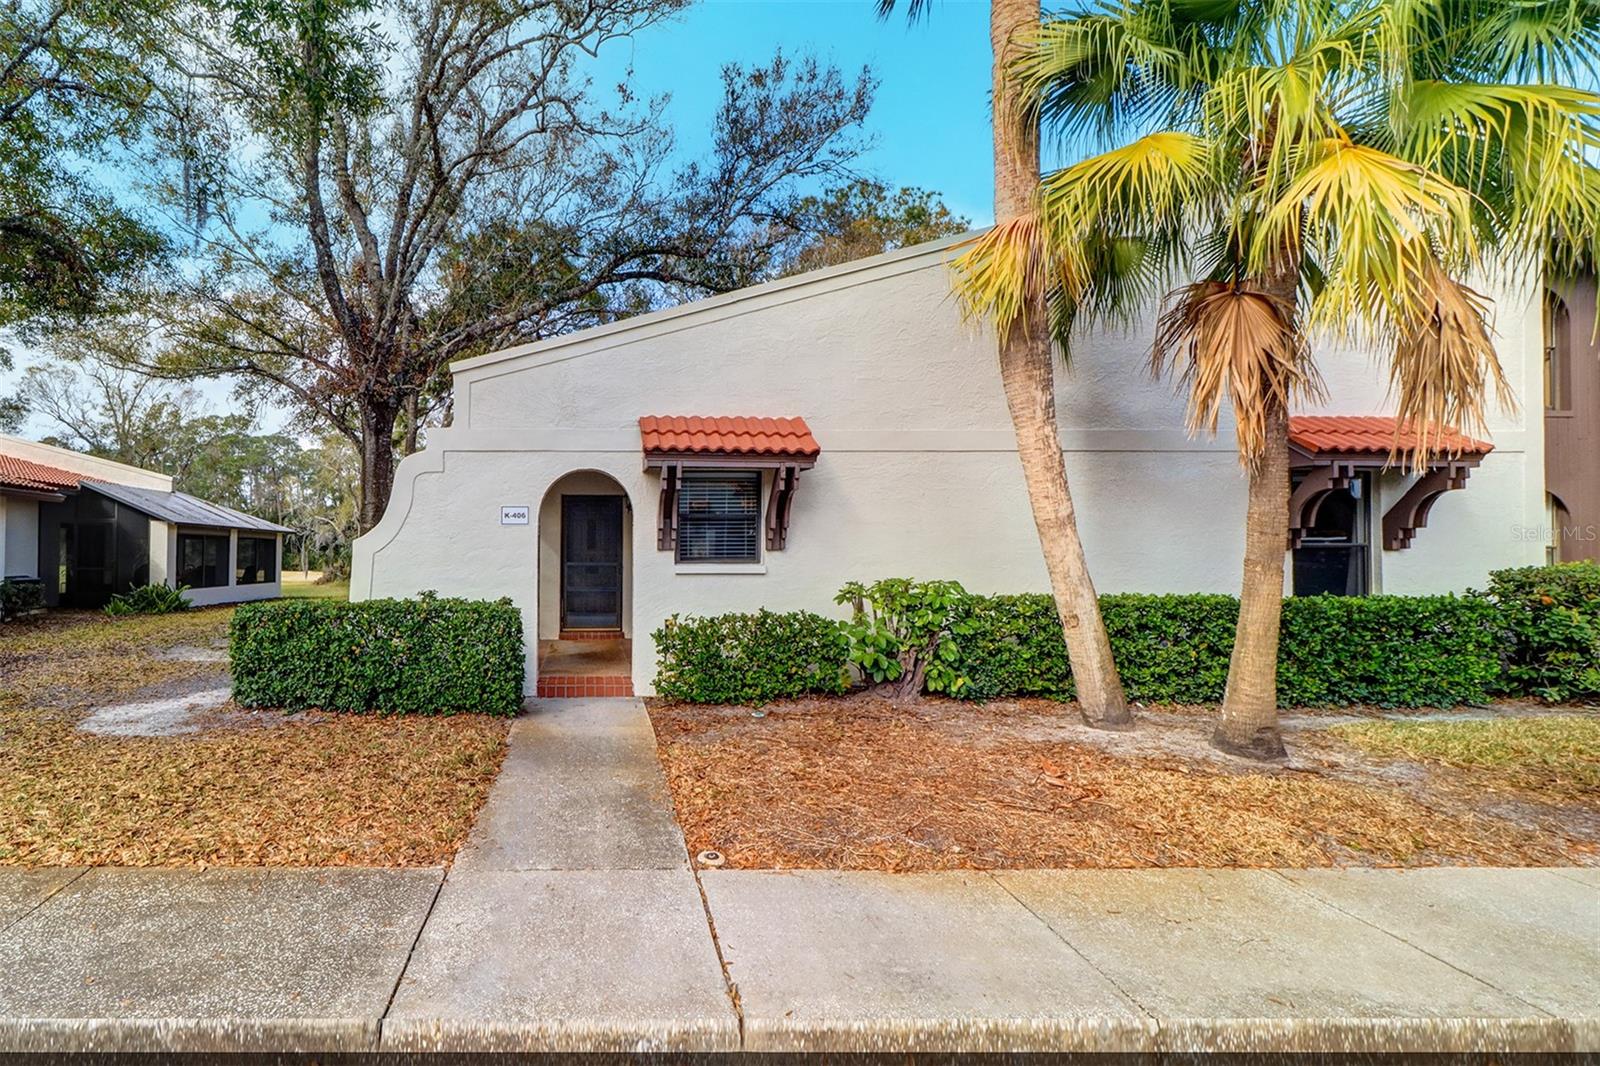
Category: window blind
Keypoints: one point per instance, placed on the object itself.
(719, 517)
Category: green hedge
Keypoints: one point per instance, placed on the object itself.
(750, 658)
(422, 656)
(1551, 616)
(1393, 651)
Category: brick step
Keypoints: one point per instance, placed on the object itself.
(569, 686)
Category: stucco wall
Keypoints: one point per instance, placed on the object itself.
(918, 474)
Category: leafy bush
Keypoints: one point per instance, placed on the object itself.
(1551, 616)
(904, 631)
(749, 658)
(422, 656)
(1397, 651)
(20, 597)
(149, 599)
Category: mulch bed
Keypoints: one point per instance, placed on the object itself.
(252, 788)
(861, 783)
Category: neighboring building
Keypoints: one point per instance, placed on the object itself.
(89, 527)
(865, 435)
(1572, 421)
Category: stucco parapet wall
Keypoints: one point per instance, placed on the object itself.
(614, 441)
(714, 308)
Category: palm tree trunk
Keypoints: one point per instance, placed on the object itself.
(1028, 374)
(1249, 721)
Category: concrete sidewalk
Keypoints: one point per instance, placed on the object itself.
(572, 921)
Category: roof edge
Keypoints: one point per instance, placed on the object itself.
(84, 465)
(752, 292)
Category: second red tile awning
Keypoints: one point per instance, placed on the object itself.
(675, 443)
(1329, 451)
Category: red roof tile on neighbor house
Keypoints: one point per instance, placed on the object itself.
(1372, 435)
(692, 434)
(29, 476)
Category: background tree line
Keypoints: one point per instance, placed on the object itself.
(325, 202)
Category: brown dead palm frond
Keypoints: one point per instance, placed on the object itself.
(1009, 270)
(1444, 362)
(1220, 338)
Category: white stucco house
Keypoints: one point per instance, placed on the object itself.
(760, 448)
(88, 528)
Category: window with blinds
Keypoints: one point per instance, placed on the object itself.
(719, 517)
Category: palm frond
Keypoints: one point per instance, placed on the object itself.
(1234, 342)
(1540, 40)
(1144, 186)
(1371, 220)
(1005, 274)
(1094, 74)
(1444, 365)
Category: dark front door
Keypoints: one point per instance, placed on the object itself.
(591, 562)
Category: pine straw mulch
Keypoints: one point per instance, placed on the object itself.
(251, 788)
(859, 783)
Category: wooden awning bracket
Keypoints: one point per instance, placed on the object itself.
(1308, 496)
(1410, 511)
(667, 521)
(1400, 522)
(784, 480)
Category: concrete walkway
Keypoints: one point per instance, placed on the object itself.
(572, 921)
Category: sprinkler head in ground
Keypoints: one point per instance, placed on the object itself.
(710, 858)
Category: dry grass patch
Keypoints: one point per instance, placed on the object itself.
(1556, 759)
(312, 790)
(252, 788)
(861, 784)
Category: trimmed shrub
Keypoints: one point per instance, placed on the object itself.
(149, 599)
(422, 656)
(18, 598)
(750, 658)
(1393, 651)
(903, 632)
(1551, 616)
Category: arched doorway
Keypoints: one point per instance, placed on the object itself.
(585, 587)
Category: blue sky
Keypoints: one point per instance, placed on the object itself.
(931, 117)
(929, 125)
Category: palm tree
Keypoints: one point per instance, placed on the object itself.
(1295, 168)
(1028, 377)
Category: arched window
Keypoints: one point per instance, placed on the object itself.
(1557, 354)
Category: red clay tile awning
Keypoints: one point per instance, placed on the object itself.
(1371, 435)
(25, 475)
(693, 435)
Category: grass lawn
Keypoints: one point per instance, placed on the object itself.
(241, 788)
(1557, 758)
(859, 783)
(295, 587)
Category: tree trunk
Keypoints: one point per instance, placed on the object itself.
(409, 447)
(1028, 374)
(1249, 721)
(377, 461)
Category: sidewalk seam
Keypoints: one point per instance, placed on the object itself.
(1415, 947)
(411, 951)
(1042, 920)
(48, 896)
(1564, 873)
